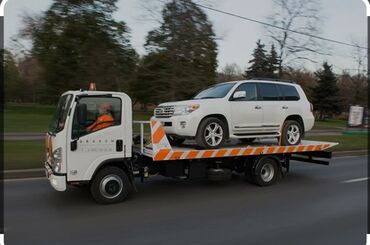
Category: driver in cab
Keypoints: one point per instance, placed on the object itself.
(104, 120)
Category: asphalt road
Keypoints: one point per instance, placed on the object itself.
(313, 205)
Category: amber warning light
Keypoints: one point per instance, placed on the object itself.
(92, 87)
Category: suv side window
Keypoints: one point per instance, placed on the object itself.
(289, 92)
(101, 113)
(250, 89)
(268, 91)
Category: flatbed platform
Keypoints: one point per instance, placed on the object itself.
(160, 149)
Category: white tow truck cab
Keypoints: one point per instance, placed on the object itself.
(90, 143)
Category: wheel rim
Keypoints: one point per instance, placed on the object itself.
(213, 134)
(111, 186)
(293, 134)
(267, 172)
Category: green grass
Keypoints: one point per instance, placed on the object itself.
(329, 124)
(24, 154)
(27, 117)
(346, 142)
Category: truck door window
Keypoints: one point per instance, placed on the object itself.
(101, 113)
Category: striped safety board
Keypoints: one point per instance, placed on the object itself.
(162, 150)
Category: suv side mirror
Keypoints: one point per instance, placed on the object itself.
(239, 95)
(81, 114)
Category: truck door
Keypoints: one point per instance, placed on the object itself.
(246, 113)
(97, 134)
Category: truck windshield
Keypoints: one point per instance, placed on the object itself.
(60, 115)
(217, 91)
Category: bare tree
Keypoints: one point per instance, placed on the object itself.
(360, 56)
(293, 17)
(230, 72)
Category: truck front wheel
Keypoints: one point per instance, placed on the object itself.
(110, 185)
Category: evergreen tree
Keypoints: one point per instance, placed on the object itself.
(185, 50)
(259, 63)
(326, 97)
(77, 42)
(273, 63)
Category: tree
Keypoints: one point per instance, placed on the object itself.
(353, 89)
(259, 62)
(230, 72)
(298, 16)
(273, 63)
(184, 44)
(263, 64)
(326, 97)
(14, 86)
(77, 42)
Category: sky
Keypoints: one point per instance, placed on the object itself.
(341, 20)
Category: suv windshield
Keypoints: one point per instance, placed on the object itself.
(217, 91)
(60, 115)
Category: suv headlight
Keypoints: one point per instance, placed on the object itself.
(185, 109)
(56, 159)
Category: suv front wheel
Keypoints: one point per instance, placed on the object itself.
(291, 133)
(211, 133)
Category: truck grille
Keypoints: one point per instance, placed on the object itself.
(164, 111)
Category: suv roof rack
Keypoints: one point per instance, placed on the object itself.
(272, 79)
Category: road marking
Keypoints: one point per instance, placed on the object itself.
(354, 180)
(24, 179)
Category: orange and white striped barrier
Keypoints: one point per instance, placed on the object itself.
(162, 150)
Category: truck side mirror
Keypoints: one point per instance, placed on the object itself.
(239, 95)
(81, 114)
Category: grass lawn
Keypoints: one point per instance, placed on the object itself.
(27, 117)
(330, 124)
(346, 142)
(24, 154)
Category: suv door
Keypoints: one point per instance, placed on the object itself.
(246, 113)
(272, 110)
(289, 100)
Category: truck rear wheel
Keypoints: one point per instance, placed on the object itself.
(110, 185)
(266, 172)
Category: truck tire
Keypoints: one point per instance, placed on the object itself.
(291, 133)
(266, 173)
(110, 185)
(175, 140)
(211, 133)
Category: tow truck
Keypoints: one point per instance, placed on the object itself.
(108, 161)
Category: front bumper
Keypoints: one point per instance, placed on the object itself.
(57, 181)
(181, 125)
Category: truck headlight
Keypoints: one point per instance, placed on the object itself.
(185, 109)
(56, 159)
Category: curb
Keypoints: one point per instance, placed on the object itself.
(40, 172)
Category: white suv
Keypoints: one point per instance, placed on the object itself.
(245, 110)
